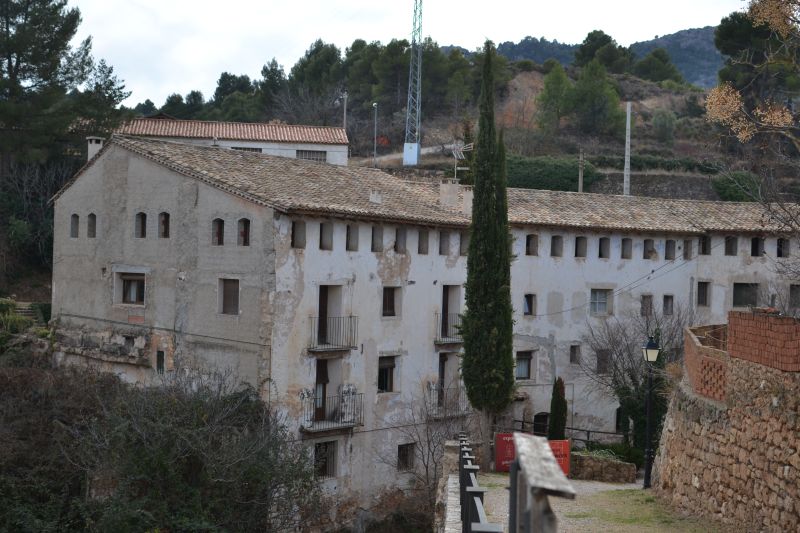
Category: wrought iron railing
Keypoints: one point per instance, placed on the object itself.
(333, 333)
(323, 413)
(447, 401)
(448, 327)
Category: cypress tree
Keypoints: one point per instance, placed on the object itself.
(488, 365)
(557, 422)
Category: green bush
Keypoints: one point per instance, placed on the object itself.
(43, 311)
(622, 451)
(557, 421)
(664, 125)
(737, 186)
(7, 305)
(549, 173)
(12, 323)
(649, 162)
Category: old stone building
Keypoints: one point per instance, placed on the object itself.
(337, 291)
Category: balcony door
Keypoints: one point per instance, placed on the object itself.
(321, 390)
(322, 321)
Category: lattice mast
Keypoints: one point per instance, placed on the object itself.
(413, 113)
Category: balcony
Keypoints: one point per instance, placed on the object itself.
(446, 402)
(330, 413)
(333, 333)
(448, 328)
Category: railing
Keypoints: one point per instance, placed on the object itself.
(324, 413)
(445, 402)
(473, 514)
(448, 328)
(333, 333)
(606, 436)
(535, 475)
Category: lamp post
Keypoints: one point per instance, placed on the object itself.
(375, 136)
(650, 352)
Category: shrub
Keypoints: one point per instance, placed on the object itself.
(622, 451)
(7, 305)
(737, 186)
(43, 311)
(13, 323)
(664, 125)
(549, 173)
(649, 162)
(557, 422)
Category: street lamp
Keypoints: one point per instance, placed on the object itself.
(375, 136)
(650, 353)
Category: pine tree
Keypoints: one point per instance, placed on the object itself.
(557, 422)
(488, 365)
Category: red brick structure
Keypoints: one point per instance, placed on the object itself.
(706, 360)
(765, 338)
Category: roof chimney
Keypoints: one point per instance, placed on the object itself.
(448, 193)
(95, 144)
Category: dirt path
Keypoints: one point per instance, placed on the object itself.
(599, 507)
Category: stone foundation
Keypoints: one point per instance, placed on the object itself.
(593, 468)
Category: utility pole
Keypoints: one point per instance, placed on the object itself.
(626, 174)
(375, 136)
(344, 113)
(411, 146)
(580, 172)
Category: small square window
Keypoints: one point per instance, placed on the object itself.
(603, 361)
(646, 305)
(326, 236)
(133, 286)
(523, 368)
(351, 238)
(580, 246)
(649, 249)
(463, 243)
(703, 296)
(444, 242)
(604, 248)
(386, 374)
(422, 242)
(745, 294)
(626, 252)
(529, 305)
(731, 245)
(400, 240)
(377, 238)
(229, 296)
(669, 249)
(757, 247)
(705, 245)
(556, 246)
(668, 305)
(405, 457)
(298, 234)
(390, 301)
(325, 459)
(575, 354)
(600, 302)
(531, 244)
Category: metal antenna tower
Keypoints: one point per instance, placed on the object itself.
(411, 146)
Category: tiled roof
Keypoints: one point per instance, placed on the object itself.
(298, 186)
(234, 131)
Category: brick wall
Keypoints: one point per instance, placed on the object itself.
(766, 339)
(706, 366)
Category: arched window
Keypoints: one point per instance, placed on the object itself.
(91, 226)
(540, 421)
(163, 225)
(74, 225)
(244, 232)
(140, 231)
(218, 232)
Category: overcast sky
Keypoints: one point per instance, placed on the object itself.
(164, 46)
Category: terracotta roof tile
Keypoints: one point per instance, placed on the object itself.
(298, 186)
(238, 131)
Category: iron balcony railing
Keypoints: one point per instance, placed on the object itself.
(324, 413)
(333, 333)
(447, 401)
(448, 328)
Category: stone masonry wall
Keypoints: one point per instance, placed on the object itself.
(736, 461)
(601, 469)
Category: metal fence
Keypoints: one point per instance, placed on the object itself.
(333, 333)
(448, 328)
(331, 412)
(473, 514)
(573, 433)
(447, 401)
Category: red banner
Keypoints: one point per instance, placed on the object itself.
(503, 451)
(561, 451)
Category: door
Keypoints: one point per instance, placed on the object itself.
(445, 311)
(322, 321)
(320, 390)
(442, 378)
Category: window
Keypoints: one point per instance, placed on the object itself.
(218, 232)
(704, 245)
(444, 242)
(351, 238)
(529, 305)
(556, 246)
(74, 226)
(320, 156)
(386, 374)
(687, 249)
(668, 305)
(646, 305)
(523, 368)
(575, 354)
(627, 248)
(91, 226)
(160, 362)
(620, 422)
(298, 234)
(400, 240)
(243, 228)
(540, 423)
(463, 243)
(782, 251)
(132, 288)
(599, 302)
(603, 361)
(604, 248)
(229, 296)
(794, 296)
(390, 297)
(377, 238)
(326, 236)
(649, 249)
(757, 247)
(731, 245)
(140, 226)
(246, 149)
(422, 242)
(405, 457)
(531, 244)
(580, 246)
(703, 296)
(669, 250)
(325, 459)
(745, 294)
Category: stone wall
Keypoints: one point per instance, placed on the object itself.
(736, 461)
(601, 469)
(659, 184)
